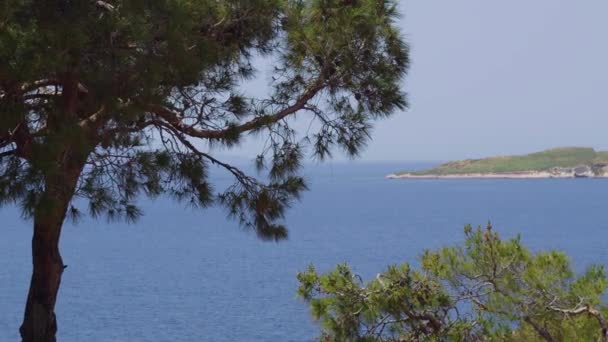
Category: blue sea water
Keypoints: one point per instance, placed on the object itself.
(184, 275)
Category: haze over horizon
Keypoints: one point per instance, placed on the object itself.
(494, 78)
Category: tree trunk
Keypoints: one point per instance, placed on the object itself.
(39, 322)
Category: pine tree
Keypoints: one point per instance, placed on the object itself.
(102, 102)
(483, 289)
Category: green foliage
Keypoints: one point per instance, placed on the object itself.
(392, 307)
(486, 289)
(539, 161)
(133, 98)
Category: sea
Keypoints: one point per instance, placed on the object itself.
(181, 274)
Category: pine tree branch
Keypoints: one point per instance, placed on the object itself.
(174, 120)
(240, 176)
(590, 311)
(542, 331)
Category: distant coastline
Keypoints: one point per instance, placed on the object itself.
(526, 175)
(565, 162)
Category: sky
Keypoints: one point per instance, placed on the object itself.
(498, 77)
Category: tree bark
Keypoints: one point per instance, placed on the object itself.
(39, 322)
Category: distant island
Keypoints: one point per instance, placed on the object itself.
(564, 162)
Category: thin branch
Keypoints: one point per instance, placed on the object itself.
(175, 121)
(542, 331)
(242, 178)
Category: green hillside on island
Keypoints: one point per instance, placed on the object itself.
(540, 161)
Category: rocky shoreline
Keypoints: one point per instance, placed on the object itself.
(583, 171)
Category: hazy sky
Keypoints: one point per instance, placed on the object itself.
(499, 77)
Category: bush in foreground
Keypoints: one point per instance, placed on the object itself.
(487, 289)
